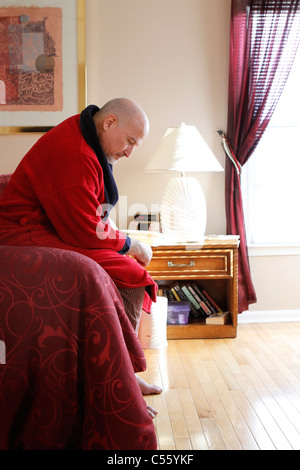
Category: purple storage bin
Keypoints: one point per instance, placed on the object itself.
(178, 313)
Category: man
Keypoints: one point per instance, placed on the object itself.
(61, 193)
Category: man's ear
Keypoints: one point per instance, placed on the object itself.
(109, 121)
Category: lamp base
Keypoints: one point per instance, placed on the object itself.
(183, 210)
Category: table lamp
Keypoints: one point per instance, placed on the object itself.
(183, 207)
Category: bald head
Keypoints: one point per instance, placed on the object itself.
(126, 110)
(121, 125)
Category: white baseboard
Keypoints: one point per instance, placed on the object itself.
(268, 316)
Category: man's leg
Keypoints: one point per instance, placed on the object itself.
(133, 301)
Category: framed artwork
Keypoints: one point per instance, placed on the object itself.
(42, 63)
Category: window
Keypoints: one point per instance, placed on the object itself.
(271, 177)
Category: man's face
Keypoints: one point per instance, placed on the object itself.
(119, 140)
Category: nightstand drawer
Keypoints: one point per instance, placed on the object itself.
(191, 264)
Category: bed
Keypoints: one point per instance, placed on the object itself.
(67, 378)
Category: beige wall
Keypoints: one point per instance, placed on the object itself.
(13, 148)
(172, 57)
(276, 279)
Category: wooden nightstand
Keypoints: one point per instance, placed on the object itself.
(215, 267)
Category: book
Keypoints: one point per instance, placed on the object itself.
(218, 319)
(190, 297)
(175, 294)
(180, 293)
(205, 304)
(202, 305)
(197, 310)
(213, 302)
(168, 293)
(149, 217)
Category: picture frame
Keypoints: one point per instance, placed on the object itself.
(66, 95)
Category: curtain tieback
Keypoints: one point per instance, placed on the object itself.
(229, 152)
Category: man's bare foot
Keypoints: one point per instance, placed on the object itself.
(147, 389)
(152, 411)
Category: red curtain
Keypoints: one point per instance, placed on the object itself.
(263, 41)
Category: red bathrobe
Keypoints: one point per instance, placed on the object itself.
(56, 197)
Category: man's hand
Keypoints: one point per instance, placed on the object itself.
(140, 251)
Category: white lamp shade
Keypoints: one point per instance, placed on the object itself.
(183, 210)
(183, 149)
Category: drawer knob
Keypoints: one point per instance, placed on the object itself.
(173, 265)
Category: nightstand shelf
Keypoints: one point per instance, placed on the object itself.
(215, 267)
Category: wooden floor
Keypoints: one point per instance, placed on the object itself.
(229, 394)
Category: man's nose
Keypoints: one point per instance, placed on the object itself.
(128, 151)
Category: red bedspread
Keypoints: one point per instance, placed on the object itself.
(71, 353)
